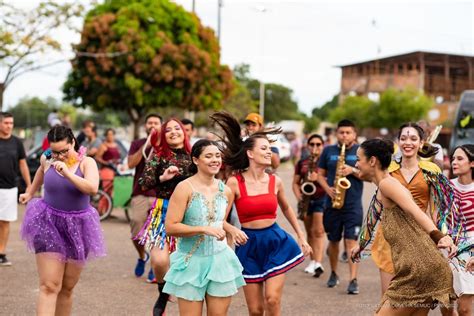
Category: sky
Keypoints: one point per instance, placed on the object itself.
(300, 43)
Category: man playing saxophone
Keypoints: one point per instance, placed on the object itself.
(343, 213)
(311, 199)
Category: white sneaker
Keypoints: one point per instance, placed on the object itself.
(318, 270)
(311, 267)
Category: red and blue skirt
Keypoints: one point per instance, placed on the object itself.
(269, 252)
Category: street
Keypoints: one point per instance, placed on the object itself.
(108, 286)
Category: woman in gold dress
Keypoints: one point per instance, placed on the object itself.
(418, 284)
(424, 180)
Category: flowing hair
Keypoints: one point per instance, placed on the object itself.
(164, 149)
(235, 148)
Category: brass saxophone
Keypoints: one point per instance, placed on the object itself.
(341, 183)
(307, 188)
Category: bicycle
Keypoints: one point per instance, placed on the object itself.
(105, 203)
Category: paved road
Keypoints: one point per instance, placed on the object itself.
(108, 287)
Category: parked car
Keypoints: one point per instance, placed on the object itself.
(463, 129)
(283, 146)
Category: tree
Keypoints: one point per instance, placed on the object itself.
(25, 35)
(322, 112)
(143, 54)
(239, 104)
(355, 108)
(279, 103)
(397, 107)
(393, 109)
(32, 112)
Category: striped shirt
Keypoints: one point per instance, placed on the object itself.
(465, 195)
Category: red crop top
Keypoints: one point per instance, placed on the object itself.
(254, 207)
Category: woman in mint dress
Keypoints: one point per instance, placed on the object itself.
(203, 267)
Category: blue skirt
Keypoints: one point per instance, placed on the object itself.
(269, 252)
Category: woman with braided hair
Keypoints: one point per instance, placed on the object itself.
(62, 229)
(269, 251)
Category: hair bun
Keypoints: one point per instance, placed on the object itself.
(390, 145)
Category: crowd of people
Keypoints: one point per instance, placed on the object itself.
(204, 213)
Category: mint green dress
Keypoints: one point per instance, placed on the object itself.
(202, 264)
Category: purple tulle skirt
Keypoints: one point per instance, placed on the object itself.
(69, 236)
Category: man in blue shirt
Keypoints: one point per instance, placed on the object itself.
(344, 222)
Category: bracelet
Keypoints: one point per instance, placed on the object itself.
(436, 235)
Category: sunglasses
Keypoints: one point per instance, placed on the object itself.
(315, 144)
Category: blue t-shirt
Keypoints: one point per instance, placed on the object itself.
(328, 162)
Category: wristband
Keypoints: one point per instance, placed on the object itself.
(436, 235)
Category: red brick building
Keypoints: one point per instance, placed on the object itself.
(442, 76)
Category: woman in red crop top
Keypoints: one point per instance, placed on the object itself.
(269, 251)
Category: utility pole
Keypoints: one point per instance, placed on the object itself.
(261, 108)
(194, 6)
(219, 6)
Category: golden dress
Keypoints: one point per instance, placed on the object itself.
(420, 192)
(422, 274)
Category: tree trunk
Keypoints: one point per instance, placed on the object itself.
(2, 89)
(135, 118)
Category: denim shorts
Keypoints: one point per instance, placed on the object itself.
(316, 206)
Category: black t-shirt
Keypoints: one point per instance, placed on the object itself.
(11, 151)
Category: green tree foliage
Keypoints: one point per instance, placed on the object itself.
(143, 54)
(32, 112)
(397, 107)
(354, 108)
(393, 109)
(239, 104)
(279, 102)
(26, 34)
(322, 112)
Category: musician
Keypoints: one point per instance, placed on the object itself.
(141, 201)
(311, 206)
(346, 221)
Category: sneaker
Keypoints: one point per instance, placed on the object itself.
(318, 270)
(151, 277)
(353, 287)
(140, 267)
(311, 267)
(344, 257)
(333, 280)
(4, 261)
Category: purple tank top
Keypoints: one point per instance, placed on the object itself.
(61, 194)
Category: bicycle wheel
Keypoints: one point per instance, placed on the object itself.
(102, 203)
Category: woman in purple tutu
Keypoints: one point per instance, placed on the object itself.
(62, 229)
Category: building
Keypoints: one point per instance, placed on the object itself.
(441, 76)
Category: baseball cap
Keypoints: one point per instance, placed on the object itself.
(255, 118)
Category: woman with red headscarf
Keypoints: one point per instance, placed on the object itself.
(168, 166)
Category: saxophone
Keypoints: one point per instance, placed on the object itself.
(307, 188)
(341, 183)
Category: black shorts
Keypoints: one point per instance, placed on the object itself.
(343, 222)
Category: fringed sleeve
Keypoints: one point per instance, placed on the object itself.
(446, 210)
(367, 233)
